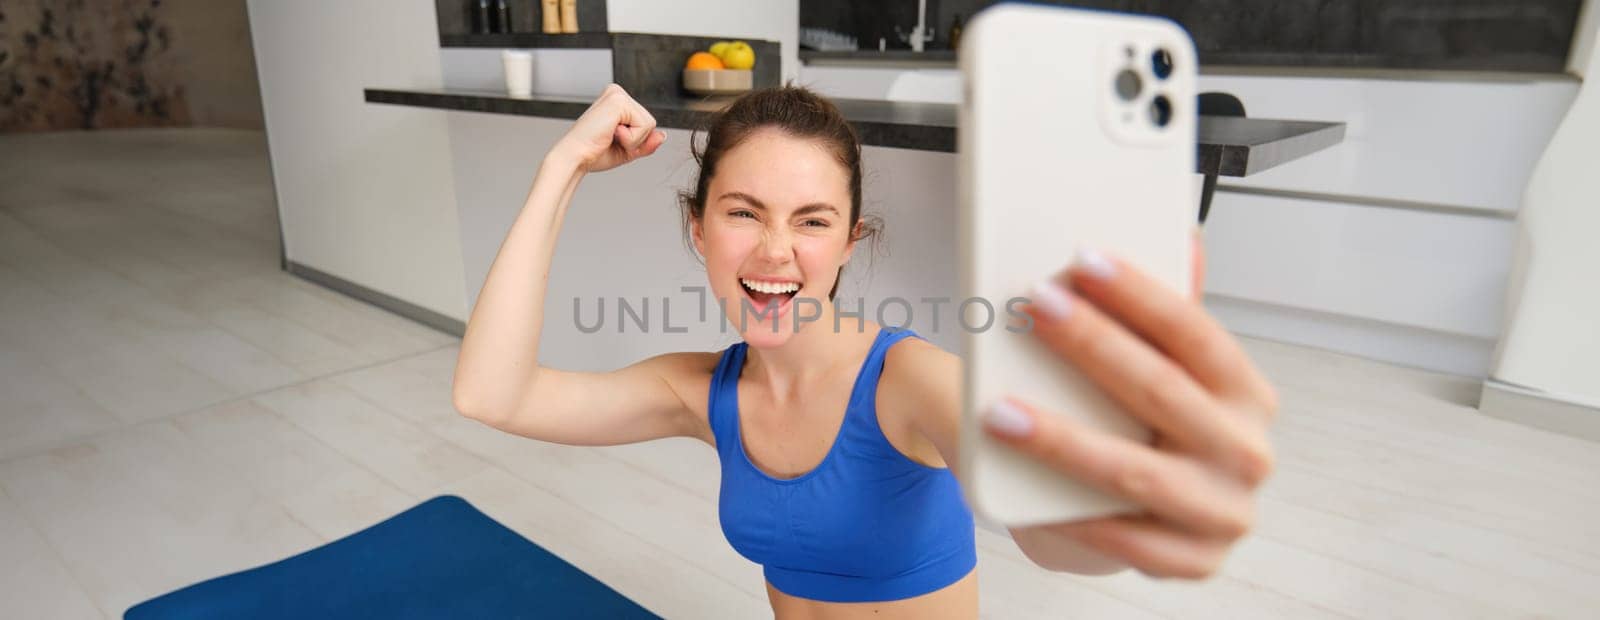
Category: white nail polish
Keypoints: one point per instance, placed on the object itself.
(1095, 264)
(1049, 297)
(1006, 419)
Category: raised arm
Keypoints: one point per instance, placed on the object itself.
(498, 379)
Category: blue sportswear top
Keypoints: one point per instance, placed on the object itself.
(867, 524)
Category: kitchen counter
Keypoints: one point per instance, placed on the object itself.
(887, 59)
(1232, 147)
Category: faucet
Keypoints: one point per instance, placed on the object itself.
(919, 34)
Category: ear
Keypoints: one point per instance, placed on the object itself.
(855, 235)
(698, 235)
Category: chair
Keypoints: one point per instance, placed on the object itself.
(1215, 104)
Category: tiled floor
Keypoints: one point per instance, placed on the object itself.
(173, 407)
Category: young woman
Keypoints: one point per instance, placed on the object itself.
(834, 442)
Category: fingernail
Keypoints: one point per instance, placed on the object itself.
(1095, 264)
(1006, 419)
(1049, 297)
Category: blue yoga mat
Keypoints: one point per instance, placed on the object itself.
(441, 559)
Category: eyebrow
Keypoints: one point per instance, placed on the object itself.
(810, 208)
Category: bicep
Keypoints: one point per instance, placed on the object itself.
(635, 403)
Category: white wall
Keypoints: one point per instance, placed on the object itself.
(581, 72)
(772, 20)
(619, 237)
(364, 191)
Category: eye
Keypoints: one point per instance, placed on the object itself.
(817, 223)
(742, 213)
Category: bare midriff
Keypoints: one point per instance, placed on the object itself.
(957, 601)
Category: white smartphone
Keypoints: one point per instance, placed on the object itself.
(1076, 128)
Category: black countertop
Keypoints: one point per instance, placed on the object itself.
(941, 59)
(1233, 147)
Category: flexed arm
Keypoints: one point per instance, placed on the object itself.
(498, 379)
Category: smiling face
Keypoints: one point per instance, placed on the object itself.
(775, 228)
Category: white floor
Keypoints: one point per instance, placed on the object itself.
(173, 408)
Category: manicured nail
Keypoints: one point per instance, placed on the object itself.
(1006, 419)
(1095, 264)
(1049, 297)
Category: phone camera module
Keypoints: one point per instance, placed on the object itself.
(1128, 84)
(1160, 111)
(1161, 63)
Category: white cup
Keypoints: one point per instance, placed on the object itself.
(519, 71)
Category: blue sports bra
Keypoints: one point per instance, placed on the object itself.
(867, 524)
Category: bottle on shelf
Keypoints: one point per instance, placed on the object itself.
(569, 16)
(502, 15)
(479, 10)
(550, 16)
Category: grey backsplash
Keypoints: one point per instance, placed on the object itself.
(1499, 35)
(638, 60)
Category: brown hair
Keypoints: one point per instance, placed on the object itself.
(798, 112)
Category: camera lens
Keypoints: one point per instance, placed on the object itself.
(1160, 111)
(1128, 84)
(1161, 63)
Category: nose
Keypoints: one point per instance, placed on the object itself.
(777, 247)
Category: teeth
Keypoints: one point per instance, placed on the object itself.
(771, 288)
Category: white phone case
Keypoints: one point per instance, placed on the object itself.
(1052, 158)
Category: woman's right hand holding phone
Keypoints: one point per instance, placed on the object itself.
(613, 131)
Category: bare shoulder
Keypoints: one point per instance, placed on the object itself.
(914, 364)
(688, 373)
(919, 399)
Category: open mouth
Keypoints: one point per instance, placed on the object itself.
(767, 295)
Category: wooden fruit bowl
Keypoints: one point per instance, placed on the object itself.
(718, 81)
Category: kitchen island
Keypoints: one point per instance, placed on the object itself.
(1226, 146)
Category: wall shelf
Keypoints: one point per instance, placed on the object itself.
(581, 40)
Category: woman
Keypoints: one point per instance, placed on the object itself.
(834, 442)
